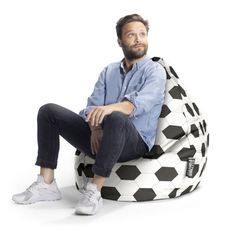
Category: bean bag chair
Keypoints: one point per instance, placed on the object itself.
(174, 165)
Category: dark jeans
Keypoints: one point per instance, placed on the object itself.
(120, 142)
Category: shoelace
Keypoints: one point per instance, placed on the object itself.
(32, 186)
(89, 195)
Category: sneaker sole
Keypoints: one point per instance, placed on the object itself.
(84, 212)
(35, 201)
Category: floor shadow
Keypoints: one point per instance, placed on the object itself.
(70, 199)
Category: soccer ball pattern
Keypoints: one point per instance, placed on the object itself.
(176, 162)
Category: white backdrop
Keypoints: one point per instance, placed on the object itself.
(53, 51)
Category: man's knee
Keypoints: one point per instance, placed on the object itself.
(116, 117)
(46, 109)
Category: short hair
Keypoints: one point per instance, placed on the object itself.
(127, 19)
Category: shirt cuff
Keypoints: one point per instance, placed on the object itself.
(131, 98)
(85, 111)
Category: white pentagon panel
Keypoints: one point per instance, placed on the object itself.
(181, 167)
(178, 180)
(127, 187)
(176, 119)
(146, 180)
(175, 105)
(169, 159)
(147, 166)
(126, 198)
(163, 187)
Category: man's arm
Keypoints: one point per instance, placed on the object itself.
(97, 97)
(151, 94)
(125, 107)
(97, 114)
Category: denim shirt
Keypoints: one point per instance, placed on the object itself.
(143, 85)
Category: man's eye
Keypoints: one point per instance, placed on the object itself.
(142, 34)
(130, 35)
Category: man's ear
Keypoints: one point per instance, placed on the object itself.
(119, 42)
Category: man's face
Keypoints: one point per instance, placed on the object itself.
(134, 40)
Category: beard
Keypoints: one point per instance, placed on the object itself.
(132, 54)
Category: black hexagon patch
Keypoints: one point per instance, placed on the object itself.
(165, 111)
(166, 173)
(128, 172)
(175, 93)
(110, 193)
(173, 132)
(145, 194)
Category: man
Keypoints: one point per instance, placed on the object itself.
(119, 123)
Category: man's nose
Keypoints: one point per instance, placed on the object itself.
(137, 38)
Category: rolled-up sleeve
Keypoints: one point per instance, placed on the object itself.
(97, 98)
(151, 94)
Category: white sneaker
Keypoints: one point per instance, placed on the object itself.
(38, 191)
(90, 200)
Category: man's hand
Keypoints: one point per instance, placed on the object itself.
(97, 114)
(95, 140)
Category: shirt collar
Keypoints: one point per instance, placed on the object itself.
(137, 65)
